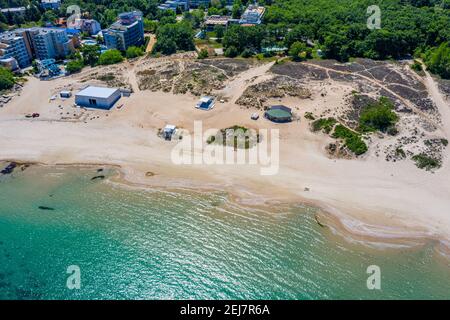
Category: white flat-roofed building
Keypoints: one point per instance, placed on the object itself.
(97, 97)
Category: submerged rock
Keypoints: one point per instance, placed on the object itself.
(98, 177)
(46, 208)
(9, 168)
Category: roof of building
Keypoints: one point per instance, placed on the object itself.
(216, 19)
(17, 9)
(98, 92)
(169, 127)
(279, 112)
(206, 99)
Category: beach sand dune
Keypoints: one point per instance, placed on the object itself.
(370, 197)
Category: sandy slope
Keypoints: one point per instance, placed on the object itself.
(370, 197)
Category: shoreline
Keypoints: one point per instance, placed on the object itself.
(367, 196)
(370, 236)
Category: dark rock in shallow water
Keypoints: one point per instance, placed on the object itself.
(318, 222)
(46, 208)
(99, 170)
(98, 177)
(9, 169)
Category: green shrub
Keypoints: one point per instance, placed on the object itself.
(425, 162)
(203, 54)
(74, 66)
(378, 116)
(399, 152)
(231, 52)
(6, 79)
(416, 66)
(352, 140)
(111, 56)
(325, 124)
(133, 52)
(438, 60)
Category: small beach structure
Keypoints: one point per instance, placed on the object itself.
(98, 97)
(168, 131)
(279, 113)
(205, 103)
(65, 94)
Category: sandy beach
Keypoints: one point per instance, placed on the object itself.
(369, 197)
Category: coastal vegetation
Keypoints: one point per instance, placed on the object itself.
(74, 65)
(325, 124)
(378, 116)
(353, 140)
(111, 56)
(236, 136)
(7, 79)
(173, 37)
(134, 52)
(438, 60)
(426, 162)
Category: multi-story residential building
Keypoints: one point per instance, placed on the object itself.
(50, 4)
(252, 15)
(10, 64)
(35, 43)
(13, 46)
(51, 43)
(46, 43)
(89, 26)
(125, 32)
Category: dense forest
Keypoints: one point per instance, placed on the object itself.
(419, 28)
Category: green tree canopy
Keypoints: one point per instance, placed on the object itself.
(6, 79)
(111, 56)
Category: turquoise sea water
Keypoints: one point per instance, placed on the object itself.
(135, 244)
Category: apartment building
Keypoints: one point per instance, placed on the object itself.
(127, 31)
(13, 46)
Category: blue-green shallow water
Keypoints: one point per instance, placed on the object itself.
(136, 244)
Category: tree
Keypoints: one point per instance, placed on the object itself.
(91, 54)
(203, 54)
(299, 51)
(133, 52)
(111, 56)
(150, 25)
(438, 60)
(48, 16)
(231, 52)
(220, 31)
(74, 66)
(173, 37)
(378, 116)
(236, 12)
(6, 79)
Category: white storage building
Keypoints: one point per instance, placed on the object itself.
(97, 97)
